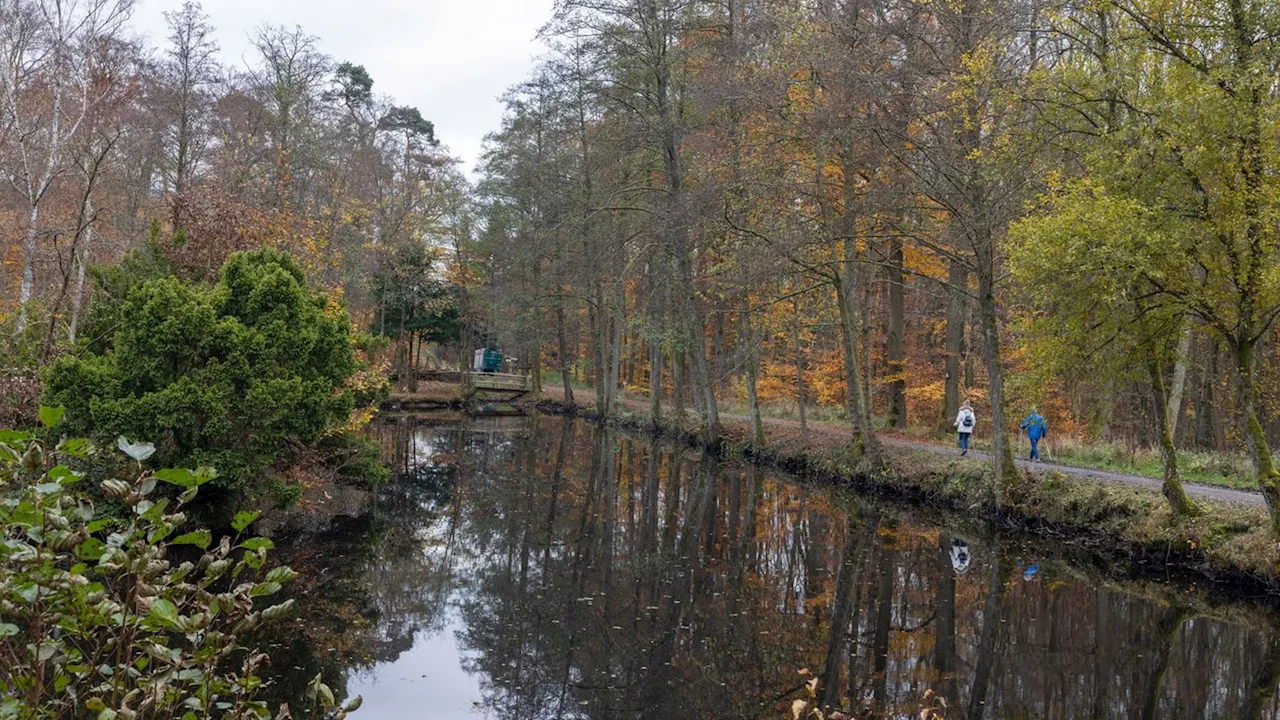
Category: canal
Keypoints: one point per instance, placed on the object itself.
(529, 568)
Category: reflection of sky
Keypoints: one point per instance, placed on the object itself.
(425, 682)
(428, 680)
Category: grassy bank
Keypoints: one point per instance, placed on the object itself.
(1131, 528)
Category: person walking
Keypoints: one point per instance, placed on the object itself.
(1036, 429)
(964, 425)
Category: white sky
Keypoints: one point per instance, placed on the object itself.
(451, 59)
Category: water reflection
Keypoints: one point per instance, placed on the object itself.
(543, 568)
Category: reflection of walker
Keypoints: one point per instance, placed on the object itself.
(960, 556)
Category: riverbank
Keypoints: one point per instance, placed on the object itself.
(603, 543)
(1125, 524)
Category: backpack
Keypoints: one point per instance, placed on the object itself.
(967, 420)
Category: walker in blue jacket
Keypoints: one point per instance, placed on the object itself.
(1036, 429)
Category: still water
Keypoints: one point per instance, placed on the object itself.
(529, 568)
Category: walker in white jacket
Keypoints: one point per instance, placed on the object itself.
(965, 430)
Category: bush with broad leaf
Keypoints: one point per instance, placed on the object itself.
(97, 618)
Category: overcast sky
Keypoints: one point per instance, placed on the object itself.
(449, 58)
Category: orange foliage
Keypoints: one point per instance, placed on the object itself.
(214, 225)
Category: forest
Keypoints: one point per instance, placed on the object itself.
(881, 209)
(846, 216)
(864, 212)
(856, 212)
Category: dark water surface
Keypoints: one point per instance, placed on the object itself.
(537, 568)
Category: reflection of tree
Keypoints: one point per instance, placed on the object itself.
(597, 576)
(989, 635)
(369, 585)
(945, 660)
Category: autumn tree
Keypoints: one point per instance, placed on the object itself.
(46, 92)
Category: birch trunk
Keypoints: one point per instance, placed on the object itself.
(1178, 389)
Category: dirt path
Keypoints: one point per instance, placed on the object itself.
(840, 432)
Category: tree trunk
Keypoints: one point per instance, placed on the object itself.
(677, 383)
(535, 369)
(800, 391)
(599, 350)
(988, 637)
(655, 382)
(945, 656)
(1006, 472)
(1255, 436)
(1205, 400)
(897, 332)
(846, 299)
(847, 583)
(29, 248)
(82, 263)
(884, 624)
(415, 349)
(615, 350)
(564, 348)
(751, 337)
(1166, 634)
(958, 281)
(1179, 503)
(1178, 389)
(700, 374)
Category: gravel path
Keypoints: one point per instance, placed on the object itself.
(1195, 490)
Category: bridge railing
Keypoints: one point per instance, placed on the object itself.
(505, 382)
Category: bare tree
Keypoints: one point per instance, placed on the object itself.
(46, 92)
(289, 81)
(191, 75)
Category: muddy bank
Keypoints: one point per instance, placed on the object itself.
(1123, 531)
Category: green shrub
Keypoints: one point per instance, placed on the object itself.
(229, 376)
(96, 620)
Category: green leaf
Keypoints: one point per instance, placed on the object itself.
(91, 550)
(63, 474)
(177, 476)
(278, 611)
(80, 448)
(244, 520)
(14, 437)
(156, 511)
(165, 612)
(205, 474)
(265, 589)
(256, 544)
(281, 575)
(99, 525)
(48, 488)
(27, 591)
(8, 630)
(199, 538)
(50, 417)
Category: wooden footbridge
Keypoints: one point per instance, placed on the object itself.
(503, 387)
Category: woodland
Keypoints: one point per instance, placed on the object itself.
(879, 209)
(860, 213)
(864, 212)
